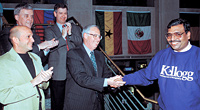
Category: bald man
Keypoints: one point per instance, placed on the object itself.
(22, 77)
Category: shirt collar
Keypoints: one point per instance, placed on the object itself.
(60, 27)
(87, 49)
(188, 47)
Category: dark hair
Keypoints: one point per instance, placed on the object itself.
(21, 6)
(178, 21)
(59, 5)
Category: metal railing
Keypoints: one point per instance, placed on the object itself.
(124, 98)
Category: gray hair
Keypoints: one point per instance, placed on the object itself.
(87, 28)
(21, 6)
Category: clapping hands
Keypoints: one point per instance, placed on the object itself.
(46, 45)
(115, 81)
(43, 76)
(67, 29)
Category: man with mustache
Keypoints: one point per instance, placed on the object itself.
(176, 69)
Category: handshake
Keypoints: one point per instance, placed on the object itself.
(115, 81)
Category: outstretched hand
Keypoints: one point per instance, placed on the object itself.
(115, 81)
(46, 45)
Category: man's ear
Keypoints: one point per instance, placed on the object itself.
(188, 34)
(54, 13)
(85, 36)
(15, 40)
(16, 17)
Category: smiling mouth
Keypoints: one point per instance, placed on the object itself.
(174, 43)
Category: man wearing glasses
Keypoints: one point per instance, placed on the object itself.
(88, 74)
(176, 69)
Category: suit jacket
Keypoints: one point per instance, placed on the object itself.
(16, 90)
(83, 88)
(5, 44)
(57, 55)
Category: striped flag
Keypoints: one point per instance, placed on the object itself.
(42, 17)
(193, 19)
(194, 38)
(110, 24)
(139, 33)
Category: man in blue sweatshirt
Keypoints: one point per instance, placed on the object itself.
(176, 68)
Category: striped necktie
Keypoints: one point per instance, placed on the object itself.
(92, 57)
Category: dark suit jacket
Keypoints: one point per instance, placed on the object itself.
(5, 44)
(83, 87)
(57, 55)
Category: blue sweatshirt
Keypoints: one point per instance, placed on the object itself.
(178, 75)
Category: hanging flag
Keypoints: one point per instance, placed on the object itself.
(42, 17)
(110, 24)
(139, 33)
(194, 38)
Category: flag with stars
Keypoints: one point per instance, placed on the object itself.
(139, 32)
(110, 24)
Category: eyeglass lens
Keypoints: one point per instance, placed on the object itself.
(176, 34)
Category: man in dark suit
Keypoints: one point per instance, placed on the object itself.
(88, 74)
(69, 36)
(23, 14)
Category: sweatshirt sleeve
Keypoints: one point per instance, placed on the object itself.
(144, 76)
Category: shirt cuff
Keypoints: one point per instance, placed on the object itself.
(105, 84)
(46, 52)
(38, 47)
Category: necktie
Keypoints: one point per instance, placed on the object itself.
(92, 57)
(67, 43)
(65, 37)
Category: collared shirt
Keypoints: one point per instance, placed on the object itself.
(88, 52)
(60, 28)
(188, 47)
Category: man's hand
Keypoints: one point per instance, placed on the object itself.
(115, 81)
(48, 44)
(43, 76)
(67, 29)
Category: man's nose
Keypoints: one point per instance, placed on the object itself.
(31, 39)
(173, 37)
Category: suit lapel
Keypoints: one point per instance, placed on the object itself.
(36, 64)
(98, 61)
(20, 66)
(87, 60)
(56, 30)
(58, 35)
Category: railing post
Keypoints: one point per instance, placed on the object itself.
(149, 106)
(1, 15)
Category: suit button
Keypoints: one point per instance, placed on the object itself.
(38, 96)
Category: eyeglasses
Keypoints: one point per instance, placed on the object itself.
(95, 36)
(177, 35)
